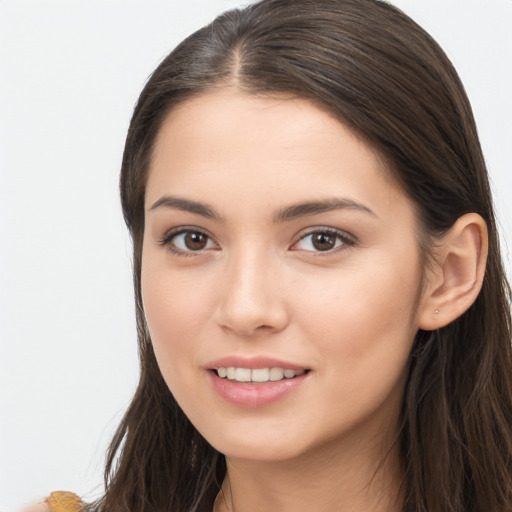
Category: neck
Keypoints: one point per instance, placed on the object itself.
(341, 476)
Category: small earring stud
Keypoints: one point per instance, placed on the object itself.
(437, 311)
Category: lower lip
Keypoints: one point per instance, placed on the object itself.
(249, 395)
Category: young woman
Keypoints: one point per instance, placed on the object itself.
(323, 315)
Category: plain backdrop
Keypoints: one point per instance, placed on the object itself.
(70, 73)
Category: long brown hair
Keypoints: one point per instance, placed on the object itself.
(387, 79)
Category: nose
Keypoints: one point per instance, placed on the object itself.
(252, 299)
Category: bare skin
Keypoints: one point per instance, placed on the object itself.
(237, 264)
(320, 485)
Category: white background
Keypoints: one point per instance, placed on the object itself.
(70, 73)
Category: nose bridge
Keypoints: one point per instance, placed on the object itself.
(251, 300)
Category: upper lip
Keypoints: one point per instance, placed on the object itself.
(253, 363)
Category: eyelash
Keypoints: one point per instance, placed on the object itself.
(346, 240)
(167, 239)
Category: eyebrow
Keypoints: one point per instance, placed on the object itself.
(314, 207)
(285, 214)
(186, 205)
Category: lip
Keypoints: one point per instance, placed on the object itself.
(251, 395)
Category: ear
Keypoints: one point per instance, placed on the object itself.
(457, 271)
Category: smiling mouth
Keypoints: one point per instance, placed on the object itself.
(257, 375)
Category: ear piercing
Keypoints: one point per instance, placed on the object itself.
(437, 311)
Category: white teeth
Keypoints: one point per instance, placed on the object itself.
(257, 374)
(260, 375)
(276, 374)
(243, 375)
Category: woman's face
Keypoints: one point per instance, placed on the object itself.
(280, 276)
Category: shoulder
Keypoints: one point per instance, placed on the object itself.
(58, 501)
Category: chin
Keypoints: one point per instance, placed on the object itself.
(279, 443)
(258, 444)
(263, 451)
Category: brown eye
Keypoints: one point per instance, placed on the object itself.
(195, 241)
(187, 242)
(323, 241)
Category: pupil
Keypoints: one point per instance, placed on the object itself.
(195, 241)
(323, 241)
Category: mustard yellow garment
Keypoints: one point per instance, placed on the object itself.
(61, 501)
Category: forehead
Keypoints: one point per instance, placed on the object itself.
(230, 144)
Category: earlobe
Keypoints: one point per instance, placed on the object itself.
(457, 273)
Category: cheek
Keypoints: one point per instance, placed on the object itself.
(170, 322)
(364, 318)
(163, 313)
(177, 307)
(174, 302)
(362, 339)
(177, 313)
